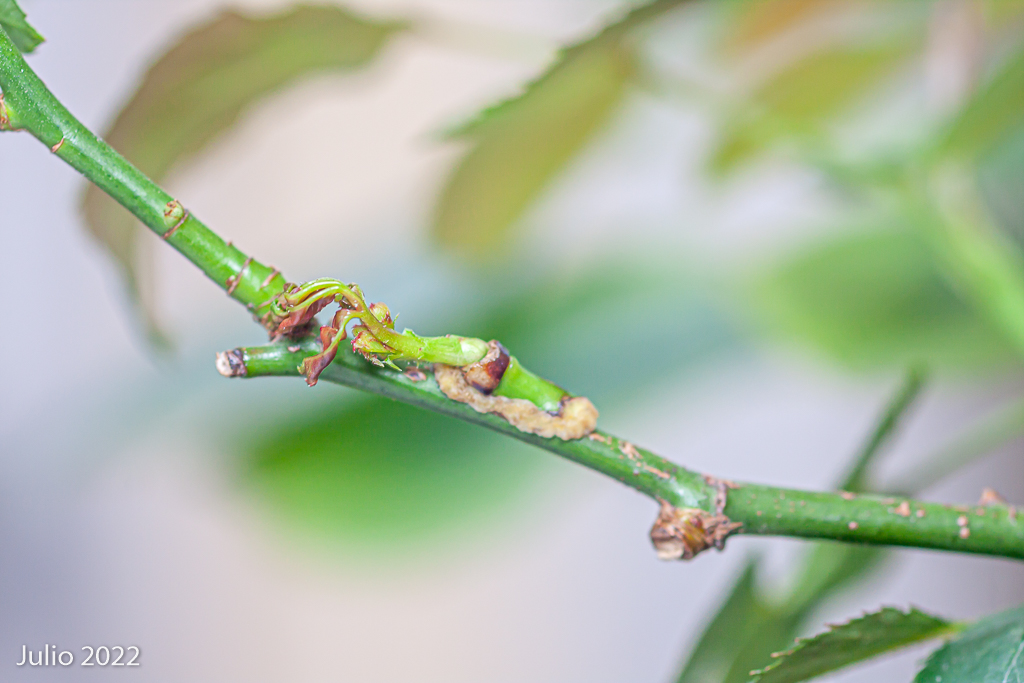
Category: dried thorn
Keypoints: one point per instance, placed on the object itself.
(174, 228)
(965, 533)
(722, 487)
(991, 497)
(270, 278)
(846, 495)
(961, 521)
(852, 526)
(594, 436)
(903, 509)
(232, 282)
(57, 147)
(294, 349)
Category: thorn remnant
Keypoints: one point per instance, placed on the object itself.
(846, 495)
(174, 209)
(231, 363)
(294, 349)
(722, 487)
(232, 282)
(56, 148)
(852, 526)
(903, 509)
(965, 533)
(961, 521)
(991, 497)
(684, 533)
(594, 436)
(270, 278)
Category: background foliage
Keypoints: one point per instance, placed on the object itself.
(919, 263)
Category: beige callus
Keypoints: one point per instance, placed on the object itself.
(683, 533)
(576, 419)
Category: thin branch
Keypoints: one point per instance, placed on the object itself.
(27, 104)
(760, 510)
(697, 511)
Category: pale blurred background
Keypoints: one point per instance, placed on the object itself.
(147, 501)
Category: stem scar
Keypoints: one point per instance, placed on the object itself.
(232, 363)
(232, 282)
(684, 533)
(174, 228)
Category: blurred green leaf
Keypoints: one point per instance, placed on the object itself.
(1001, 183)
(519, 145)
(383, 474)
(199, 87)
(798, 101)
(995, 112)
(543, 325)
(857, 477)
(743, 621)
(877, 299)
(759, 22)
(750, 626)
(14, 24)
(993, 431)
(980, 259)
(868, 636)
(990, 651)
(828, 82)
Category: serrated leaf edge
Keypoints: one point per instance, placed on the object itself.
(952, 627)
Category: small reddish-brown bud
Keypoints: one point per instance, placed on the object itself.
(382, 313)
(487, 372)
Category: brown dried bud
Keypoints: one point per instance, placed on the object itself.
(314, 365)
(486, 373)
(683, 533)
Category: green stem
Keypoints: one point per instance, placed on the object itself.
(762, 510)
(30, 106)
